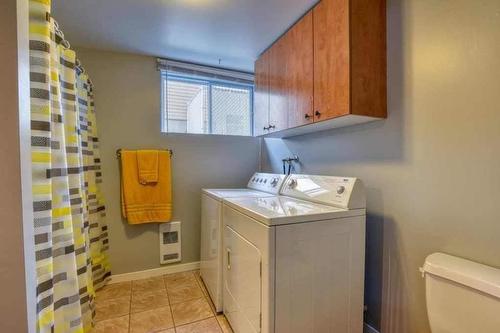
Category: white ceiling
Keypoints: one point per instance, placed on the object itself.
(201, 31)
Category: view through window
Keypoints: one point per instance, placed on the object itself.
(206, 106)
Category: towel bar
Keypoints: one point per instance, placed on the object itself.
(119, 152)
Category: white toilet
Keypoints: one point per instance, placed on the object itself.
(462, 296)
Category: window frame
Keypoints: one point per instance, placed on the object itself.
(209, 82)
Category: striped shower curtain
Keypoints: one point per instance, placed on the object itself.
(70, 232)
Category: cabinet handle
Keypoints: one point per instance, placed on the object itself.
(317, 113)
(266, 128)
(228, 259)
(307, 116)
(272, 126)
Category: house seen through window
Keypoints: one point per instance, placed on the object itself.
(206, 103)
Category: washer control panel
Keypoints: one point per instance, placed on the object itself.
(267, 182)
(343, 192)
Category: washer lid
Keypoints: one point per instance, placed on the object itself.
(276, 210)
(468, 273)
(221, 193)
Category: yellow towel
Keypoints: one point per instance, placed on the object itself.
(150, 202)
(147, 163)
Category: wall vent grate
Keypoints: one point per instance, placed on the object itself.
(170, 242)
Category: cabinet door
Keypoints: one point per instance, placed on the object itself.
(261, 95)
(300, 69)
(331, 59)
(278, 102)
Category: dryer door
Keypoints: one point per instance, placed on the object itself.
(242, 283)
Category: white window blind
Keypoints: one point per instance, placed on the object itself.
(205, 100)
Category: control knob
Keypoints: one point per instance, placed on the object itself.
(274, 182)
(340, 189)
(292, 183)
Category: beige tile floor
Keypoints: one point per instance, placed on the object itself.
(174, 303)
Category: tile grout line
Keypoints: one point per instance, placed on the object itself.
(130, 309)
(150, 309)
(175, 325)
(199, 281)
(100, 300)
(197, 321)
(204, 297)
(169, 304)
(152, 291)
(217, 320)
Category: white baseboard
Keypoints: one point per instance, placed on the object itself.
(369, 329)
(154, 272)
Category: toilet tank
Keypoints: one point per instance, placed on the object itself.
(462, 296)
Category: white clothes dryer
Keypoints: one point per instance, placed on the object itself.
(259, 185)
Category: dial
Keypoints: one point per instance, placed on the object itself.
(340, 189)
(274, 182)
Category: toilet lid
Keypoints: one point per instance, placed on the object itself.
(471, 274)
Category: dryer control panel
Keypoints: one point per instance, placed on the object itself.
(343, 192)
(267, 182)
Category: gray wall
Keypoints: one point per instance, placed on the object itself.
(432, 169)
(127, 96)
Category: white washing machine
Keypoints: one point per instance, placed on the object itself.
(294, 262)
(260, 185)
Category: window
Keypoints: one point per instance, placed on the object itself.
(204, 104)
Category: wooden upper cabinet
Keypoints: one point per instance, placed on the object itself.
(331, 59)
(349, 58)
(330, 64)
(299, 72)
(261, 95)
(368, 55)
(278, 99)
